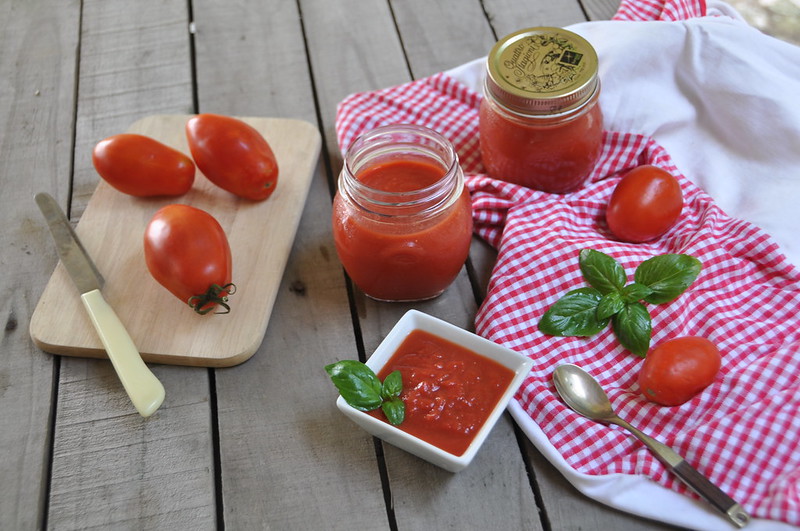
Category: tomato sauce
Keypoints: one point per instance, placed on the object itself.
(402, 255)
(449, 391)
(553, 156)
(401, 175)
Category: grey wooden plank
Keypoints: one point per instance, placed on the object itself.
(286, 461)
(507, 16)
(423, 496)
(438, 36)
(37, 71)
(600, 9)
(251, 60)
(112, 468)
(568, 509)
(344, 57)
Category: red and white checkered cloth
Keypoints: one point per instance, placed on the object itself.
(742, 432)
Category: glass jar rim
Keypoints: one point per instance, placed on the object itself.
(417, 196)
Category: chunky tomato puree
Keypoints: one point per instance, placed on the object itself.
(449, 391)
(401, 175)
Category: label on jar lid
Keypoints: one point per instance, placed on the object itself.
(542, 70)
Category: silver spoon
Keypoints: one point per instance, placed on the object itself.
(583, 394)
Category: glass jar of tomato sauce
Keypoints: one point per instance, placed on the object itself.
(402, 217)
(540, 124)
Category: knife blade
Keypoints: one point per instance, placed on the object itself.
(144, 389)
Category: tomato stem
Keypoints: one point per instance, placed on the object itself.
(216, 295)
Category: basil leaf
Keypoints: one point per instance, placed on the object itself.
(610, 304)
(574, 314)
(601, 271)
(634, 292)
(667, 275)
(633, 328)
(392, 385)
(357, 384)
(395, 411)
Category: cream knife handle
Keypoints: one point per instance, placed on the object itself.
(144, 389)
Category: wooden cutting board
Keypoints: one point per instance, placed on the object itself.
(165, 329)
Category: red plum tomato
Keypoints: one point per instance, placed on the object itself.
(186, 251)
(233, 155)
(676, 370)
(142, 166)
(646, 202)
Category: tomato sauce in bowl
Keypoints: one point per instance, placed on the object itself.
(455, 385)
(449, 390)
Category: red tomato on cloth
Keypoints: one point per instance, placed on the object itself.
(646, 202)
(233, 155)
(142, 166)
(676, 370)
(187, 252)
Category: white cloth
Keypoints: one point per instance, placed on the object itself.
(721, 98)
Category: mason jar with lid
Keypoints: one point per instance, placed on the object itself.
(540, 122)
(402, 217)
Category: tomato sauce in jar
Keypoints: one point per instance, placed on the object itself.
(539, 120)
(449, 391)
(402, 217)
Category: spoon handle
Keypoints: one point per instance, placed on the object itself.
(711, 493)
(690, 476)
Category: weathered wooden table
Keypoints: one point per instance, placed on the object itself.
(260, 445)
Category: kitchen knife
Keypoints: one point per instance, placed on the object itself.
(144, 389)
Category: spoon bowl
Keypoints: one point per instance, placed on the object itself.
(582, 393)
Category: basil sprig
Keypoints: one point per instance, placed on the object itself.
(586, 311)
(361, 388)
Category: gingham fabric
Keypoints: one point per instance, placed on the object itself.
(742, 432)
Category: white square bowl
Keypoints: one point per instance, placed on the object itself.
(416, 320)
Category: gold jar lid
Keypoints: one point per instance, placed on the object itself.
(542, 71)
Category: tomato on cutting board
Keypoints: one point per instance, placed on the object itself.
(142, 166)
(646, 202)
(233, 155)
(187, 252)
(676, 370)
